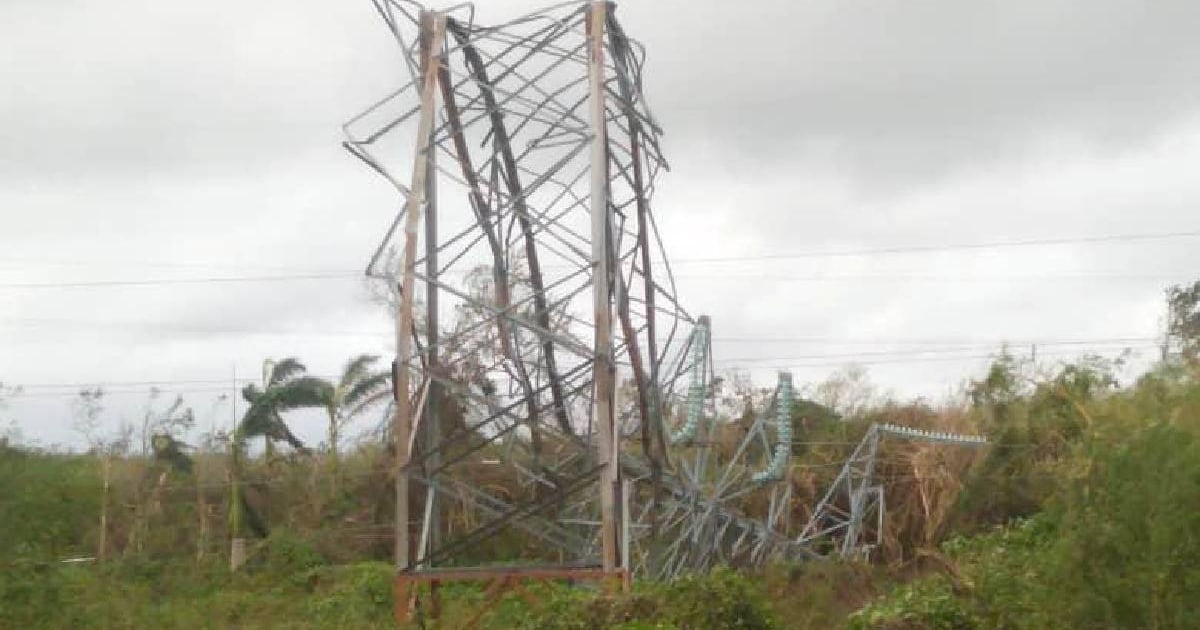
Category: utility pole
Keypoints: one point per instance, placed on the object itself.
(433, 28)
(431, 423)
(604, 369)
(237, 544)
(106, 463)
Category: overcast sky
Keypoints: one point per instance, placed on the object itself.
(145, 140)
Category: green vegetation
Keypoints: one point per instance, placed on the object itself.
(1080, 514)
(48, 504)
(1111, 542)
(289, 590)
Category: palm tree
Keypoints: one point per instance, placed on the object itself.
(357, 389)
(284, 388)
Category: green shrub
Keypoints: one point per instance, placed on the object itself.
(563, 607)
(49, 504)
(819, 595)
(1116, 547)
(927, 604)
(358, 595)
(1005, 573)
(1128, 555)
(722, 599)
(291, 554)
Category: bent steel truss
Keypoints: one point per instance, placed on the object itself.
(532, 157)
(548, 380)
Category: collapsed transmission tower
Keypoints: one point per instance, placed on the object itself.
(854, 505)
(547, 380)
(531, 158)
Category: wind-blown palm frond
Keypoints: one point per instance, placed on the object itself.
(261, 421)
(283, 433)
(306, 391)
(251, 393)
(284, 370)
(284, 388)
(356, 369)
(368, 388)
(257, 420)
(355, 389)
(376, 398)
(263, 418)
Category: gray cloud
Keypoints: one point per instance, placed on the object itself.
(128, 86)
(207, 134)
(902, 84)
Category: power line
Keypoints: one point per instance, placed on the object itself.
(155, 327)
(344, 273)
(103, 385)
(916, 277)
(889, 277)
(908, 249)
(158, 383)
(170, 281)
(58, 262)
(960, 341)
(336, 275)
(122, 387)
(799, 364)
(115, 392)
(891, 353)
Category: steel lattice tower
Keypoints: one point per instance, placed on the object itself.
(540, 341)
